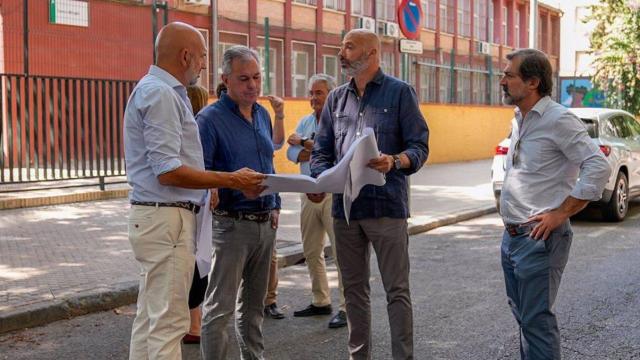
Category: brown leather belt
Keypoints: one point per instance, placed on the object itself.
(179, 204)
(519, 229)
(238, 215)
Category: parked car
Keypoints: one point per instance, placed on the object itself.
(617, 133)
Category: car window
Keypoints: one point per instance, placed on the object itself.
(590, 124)
(633, 125)
(608, 128)
(620, 125)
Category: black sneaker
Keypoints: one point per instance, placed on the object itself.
(273, 311)
(338, 321)
(313, 310)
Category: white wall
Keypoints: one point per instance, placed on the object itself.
(574, 38)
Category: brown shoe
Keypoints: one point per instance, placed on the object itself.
(191, 339)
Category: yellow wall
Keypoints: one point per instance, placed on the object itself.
(457, 133)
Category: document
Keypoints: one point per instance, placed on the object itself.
(203, 245)
(347, 177)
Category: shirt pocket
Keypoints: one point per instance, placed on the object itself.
(340, 129)
(384, 120)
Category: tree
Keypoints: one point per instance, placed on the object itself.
(615, 44)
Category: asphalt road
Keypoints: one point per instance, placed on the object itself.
(460, 310)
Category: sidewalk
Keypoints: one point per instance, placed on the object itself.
(65, 260)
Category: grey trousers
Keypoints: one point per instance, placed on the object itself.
(390, 242)
(237, 282)
(532, 273)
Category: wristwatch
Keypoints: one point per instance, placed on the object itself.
(397, 163)
(302, 141)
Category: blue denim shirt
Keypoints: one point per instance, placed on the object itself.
(230, 142)
(390, 107)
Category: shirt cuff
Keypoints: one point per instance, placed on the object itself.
(293, 152)
(166, 166)
(586, 192)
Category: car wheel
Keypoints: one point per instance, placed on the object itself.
(617, 207)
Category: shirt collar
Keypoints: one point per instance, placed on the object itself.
(163, 75)
(377, 79)
(232, 105)
(170, 80)
(538, 108)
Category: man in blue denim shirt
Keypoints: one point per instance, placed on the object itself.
(236, 132)
(379, 215)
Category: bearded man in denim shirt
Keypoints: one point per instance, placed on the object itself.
(379, 215)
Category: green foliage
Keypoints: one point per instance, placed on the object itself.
(615, 43)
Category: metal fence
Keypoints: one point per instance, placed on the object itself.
(56, 128)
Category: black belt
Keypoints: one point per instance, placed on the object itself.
(238, 215)
(519, 229)
(179, 204)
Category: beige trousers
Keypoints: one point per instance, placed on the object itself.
(315, 222)
(162, 239)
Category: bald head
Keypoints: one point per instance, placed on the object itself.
(174, 37)
(181, 51)
(367, 39)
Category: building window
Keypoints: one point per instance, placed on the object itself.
(334, 4)
(386, 10)
(307, 2)
(276, 66)
(446, 16)
(517, 30)
(330, 66)
(387, 63)
(505, 19)
(429, 14)
(480, 19)
(302, 67)
(479, 94)
(427, 81)
(464, 18)
(496, 90)
(407, 69)
(463, 85)
(362, 7)
(272, 70)
(445, 85)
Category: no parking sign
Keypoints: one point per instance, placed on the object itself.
(409, 18)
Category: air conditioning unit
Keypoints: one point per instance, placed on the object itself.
(367, 23)
(483, 47)
(392, 30)
(198, 2)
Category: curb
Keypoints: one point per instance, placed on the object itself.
(27, 202)
(78, 304)
(126, 293)
(292, 255)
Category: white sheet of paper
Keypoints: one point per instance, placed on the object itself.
(347, 177)
(204, 231)
(289, 183)
(359, 174)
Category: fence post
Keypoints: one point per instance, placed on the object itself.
(267, 56)
(101, 182)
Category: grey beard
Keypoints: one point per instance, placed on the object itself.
(354, 68)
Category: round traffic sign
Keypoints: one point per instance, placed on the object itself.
(409, 18)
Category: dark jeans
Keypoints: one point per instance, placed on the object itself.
(532, 272)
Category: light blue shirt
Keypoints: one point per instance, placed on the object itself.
(550, 149)
(306, 127)
(160, 135)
